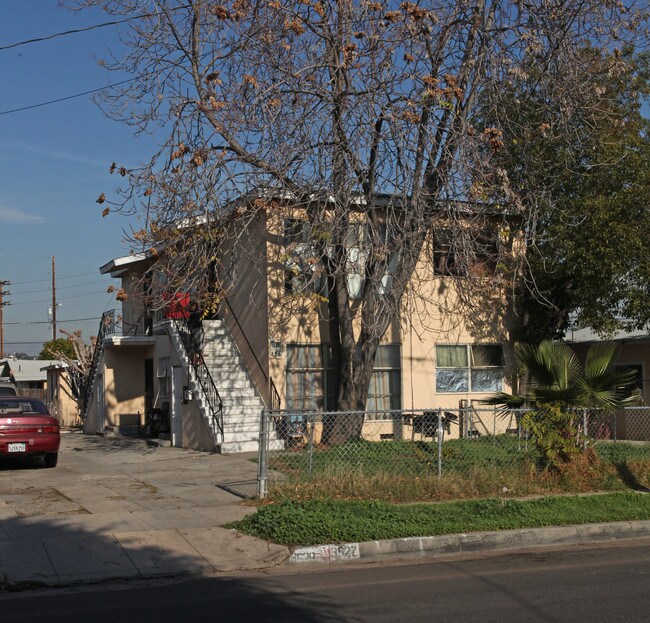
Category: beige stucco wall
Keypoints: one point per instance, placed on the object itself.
(438, 314)
(435, 310)
(196, 432)
(124, 382)
(245, 310)
(133, 309)
(61, 402)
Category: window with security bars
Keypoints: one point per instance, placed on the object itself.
(468, 368)
(310, 379)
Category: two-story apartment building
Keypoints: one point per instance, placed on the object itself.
(269, 342)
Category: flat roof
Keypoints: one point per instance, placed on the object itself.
(118, 266)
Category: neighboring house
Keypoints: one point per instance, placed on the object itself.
(62, 393)
(632, 353)
(257, 354)
(27, 374)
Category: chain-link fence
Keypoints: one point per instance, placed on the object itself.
(437, 453)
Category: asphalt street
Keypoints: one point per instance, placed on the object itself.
(579, 584)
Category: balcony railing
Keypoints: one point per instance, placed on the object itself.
(127, 324)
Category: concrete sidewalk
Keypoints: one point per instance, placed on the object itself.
(119, 508)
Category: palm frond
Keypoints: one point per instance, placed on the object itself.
(549, 365)
(503, 399)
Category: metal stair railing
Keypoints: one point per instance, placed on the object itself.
(202, 372)
(107, 326)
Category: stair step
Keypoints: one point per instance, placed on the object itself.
(242, 404)
(222, 359)
(226, 392)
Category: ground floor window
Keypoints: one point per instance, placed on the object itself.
(384, 393)
(309, 380)
(305, 377)
(469, 368)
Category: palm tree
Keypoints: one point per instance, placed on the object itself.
(554, 375)
(557, 385)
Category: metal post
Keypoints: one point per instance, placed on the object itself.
(263, 455)
(53, 300)
(440, 433)
(311, 441)
(470, 420)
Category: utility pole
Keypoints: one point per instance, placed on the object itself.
(3, 292)
(53, 300)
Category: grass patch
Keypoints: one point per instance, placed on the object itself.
(406, 457)
(403, 471)
(313, 522)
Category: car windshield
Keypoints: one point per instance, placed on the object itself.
(24, 406)
(7, 390)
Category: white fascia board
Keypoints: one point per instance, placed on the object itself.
(118, 266)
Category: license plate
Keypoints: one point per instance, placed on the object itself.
(16, 447)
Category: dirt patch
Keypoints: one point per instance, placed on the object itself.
(128, 488)
(40, 501)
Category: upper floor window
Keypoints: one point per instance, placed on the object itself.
(362, 241)
(301, 275)
(304, 267)
(469, 368)
(465, 251)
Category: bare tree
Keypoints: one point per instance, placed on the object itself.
(79, 364)
(341, 113)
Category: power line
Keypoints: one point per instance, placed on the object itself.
(74, 31)
(30, 322)
(21, 283)
(65, 298)
(63, 99)
(76, 285)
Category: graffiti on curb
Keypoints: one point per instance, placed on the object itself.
(326, 553)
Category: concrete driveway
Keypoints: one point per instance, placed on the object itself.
(117, 507)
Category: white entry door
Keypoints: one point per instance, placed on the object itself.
(177, 407)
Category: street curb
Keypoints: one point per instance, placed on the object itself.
(274, 559)
(471, 542)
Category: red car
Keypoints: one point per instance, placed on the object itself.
(27, 429)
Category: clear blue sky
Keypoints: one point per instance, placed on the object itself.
(54, 163)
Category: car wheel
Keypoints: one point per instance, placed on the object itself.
(51, 459)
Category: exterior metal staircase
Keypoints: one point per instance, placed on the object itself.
(240, 403)
(200, 378)
(107, 326)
